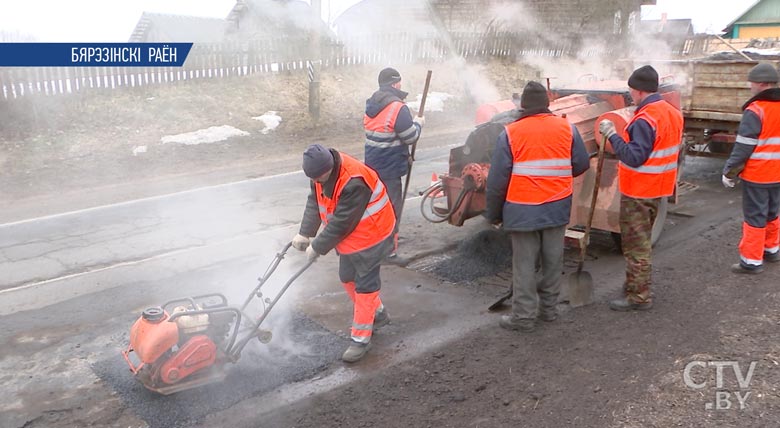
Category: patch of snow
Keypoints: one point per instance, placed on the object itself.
(270, 119)
(756, 51)
(139, 149)
(434, 102)
(212, 134)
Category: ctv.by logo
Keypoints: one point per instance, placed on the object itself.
(723, 399)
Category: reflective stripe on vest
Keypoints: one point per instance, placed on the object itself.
(541, 160)
(657, 154)
(379, 199)
(544, 168)
(380, 130)
(378, 219)
(763, 165)
(657, 176)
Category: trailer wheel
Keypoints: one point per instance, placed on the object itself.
(658, 226)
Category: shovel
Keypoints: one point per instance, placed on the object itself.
(580, 282)
(420, 113)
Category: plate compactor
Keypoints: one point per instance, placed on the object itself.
(187, 342)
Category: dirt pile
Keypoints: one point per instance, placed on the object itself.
(486, 253)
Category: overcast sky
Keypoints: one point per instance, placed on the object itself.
(114, 20)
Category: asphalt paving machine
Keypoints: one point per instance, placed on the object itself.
(460, 192)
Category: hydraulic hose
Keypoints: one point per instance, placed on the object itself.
(427, 197)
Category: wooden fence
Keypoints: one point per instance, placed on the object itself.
(285, 55)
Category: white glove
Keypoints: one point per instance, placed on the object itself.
(300, 242)
(728, 182)
(420, 120)
(311, 254)
(607, 128)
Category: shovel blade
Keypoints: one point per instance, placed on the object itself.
(500, 302)
(580, 290)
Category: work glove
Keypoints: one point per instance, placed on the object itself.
(311, 255)
(300, 242)
(607, 128)
(420, 120)
(728, 182)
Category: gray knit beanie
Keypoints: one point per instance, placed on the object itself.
(763, 73)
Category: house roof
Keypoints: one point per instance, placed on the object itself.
(681, 27)
(159, 27)
(273, 18)
(761, 12)
(374, 16)
(545, 17)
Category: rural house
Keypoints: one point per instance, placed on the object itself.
(762, 20)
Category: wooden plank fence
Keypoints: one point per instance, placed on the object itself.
(218, 61)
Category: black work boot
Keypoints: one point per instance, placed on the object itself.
(772, 257)
(512, 322)
(625, 305)
(381, 319)
(751, 270)
(355, 352)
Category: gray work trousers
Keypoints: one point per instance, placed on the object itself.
(528, 294)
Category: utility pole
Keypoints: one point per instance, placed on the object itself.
(315, 63)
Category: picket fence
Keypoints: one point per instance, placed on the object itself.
(217, 61)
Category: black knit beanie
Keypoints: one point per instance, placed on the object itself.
(388, 76)
(534, 96)
(644, 78)
(317, 160)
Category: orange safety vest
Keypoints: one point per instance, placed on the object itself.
(657, 176)
(378, 220)
(380, 129)
(763, 166)
(541, 159)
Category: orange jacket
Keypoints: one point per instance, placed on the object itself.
(763, 166)
(657, 176)
(541, 160)
(378, 220)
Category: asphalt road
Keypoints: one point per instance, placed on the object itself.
(74, 282)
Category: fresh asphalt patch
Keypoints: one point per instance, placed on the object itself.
(307, 350)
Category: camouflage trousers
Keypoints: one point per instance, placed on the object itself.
(636, 227)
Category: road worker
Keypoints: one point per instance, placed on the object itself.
(529, 190)
(647, 172)
(352, 202)
(756, 160)
(390, 130)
